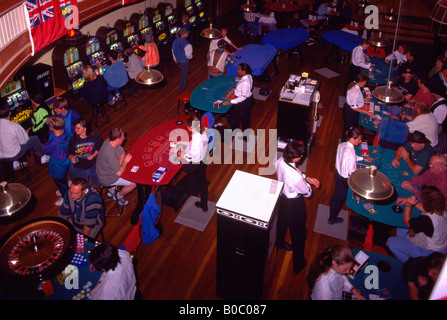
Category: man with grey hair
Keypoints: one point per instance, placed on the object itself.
(435, 176)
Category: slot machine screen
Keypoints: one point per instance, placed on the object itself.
(92, 46)
(168, 11)
(111, 37)
(143, 22)
(70, 56)
(133, 40)
(156, 18)
(159, 25)
(171, 20)
(144, 32)
(174, 30)
(192, 19)
(190, 10)
(117, 46)
(77, 84)
(74, 70)
(188, 3)
(97, 56)
(129, 30)
(100, 71)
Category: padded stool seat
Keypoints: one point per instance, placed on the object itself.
(184, 98)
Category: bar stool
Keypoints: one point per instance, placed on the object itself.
(7, 169)
(99, 108)
(184, 98)
(120, 102)
(113, 191)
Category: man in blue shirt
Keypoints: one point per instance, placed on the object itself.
(182, 53)
(115, 75)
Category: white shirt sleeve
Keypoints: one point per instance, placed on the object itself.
(188, 51)
(243, 89)
(354, 98)
(358, 58)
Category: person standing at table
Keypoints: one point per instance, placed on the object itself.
(439, 109)
(292, 213)
(354, 103)
(427, 233)
(416, 153)
(327, 278)
(182, 52)
(194, 154)
(242, 104)
(83, 149)
(345, 165)
(118, 280)
(214, 42)
(435, 176)
(111, 162)
(358, 61)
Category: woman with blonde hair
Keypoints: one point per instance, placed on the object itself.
(94, 88)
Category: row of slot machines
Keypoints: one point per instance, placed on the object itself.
(161, 22)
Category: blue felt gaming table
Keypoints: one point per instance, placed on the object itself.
(345, 40)
(286, 38)
(257, 56)
(206, 93)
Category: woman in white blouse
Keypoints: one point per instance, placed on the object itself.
(327, 276)
(292, 213)
(242, 104)
(355, 102)
(193, 155)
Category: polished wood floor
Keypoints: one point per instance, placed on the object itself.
(181, 263)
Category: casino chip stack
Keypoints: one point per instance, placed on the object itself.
(85, 293)
(80, 243)
(78, 260)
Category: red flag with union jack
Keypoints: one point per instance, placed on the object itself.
(48, 20)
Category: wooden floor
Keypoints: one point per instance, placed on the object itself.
(181, 263)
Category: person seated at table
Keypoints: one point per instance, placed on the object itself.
(327, 278)
(438, 82)
(115, 75)
(118, 280)
(423, 93)
(338, 22)
(151, 57)
(243, 103)
(94, 88)
(83, 149)
(427, 233)
(421, 273)
(83, 207)
(392, 132)
(399, 55)
(436, 176)
(416, 153)
(323, 10)
(224, 33)
(62, 109)
(439, 109)
(194, 154)
(133, 67)
(218, 60)
(358, 61)
(267, 21)
(424, 121)
(354, 103)
(39, 115)
(413, 63)
(111, 162)
(345, 164)
(407, 84)
(439, 63)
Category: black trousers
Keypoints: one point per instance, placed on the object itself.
(241, 113)
(292, 215)
(339, 196)
(350, 119)
(198, 172)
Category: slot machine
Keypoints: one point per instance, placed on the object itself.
(127, 33)
(142, 25)
(109, 40)
(191, 12)
(67, 68)
(171, 20)
(16, 97)
(95, 54)
(200, 9)
(160, 28)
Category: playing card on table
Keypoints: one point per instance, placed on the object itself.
(134, 169)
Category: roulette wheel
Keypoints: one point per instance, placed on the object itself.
(36, 251)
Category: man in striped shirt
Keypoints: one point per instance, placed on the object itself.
(83, 208)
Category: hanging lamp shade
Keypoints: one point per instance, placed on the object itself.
(248, 7)
(437, 21)
(211, 33)
(74, 37)
(391, 16)
(388, 94)
(149, 77)
(13, 197)
(371, 184)
(379, 41)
